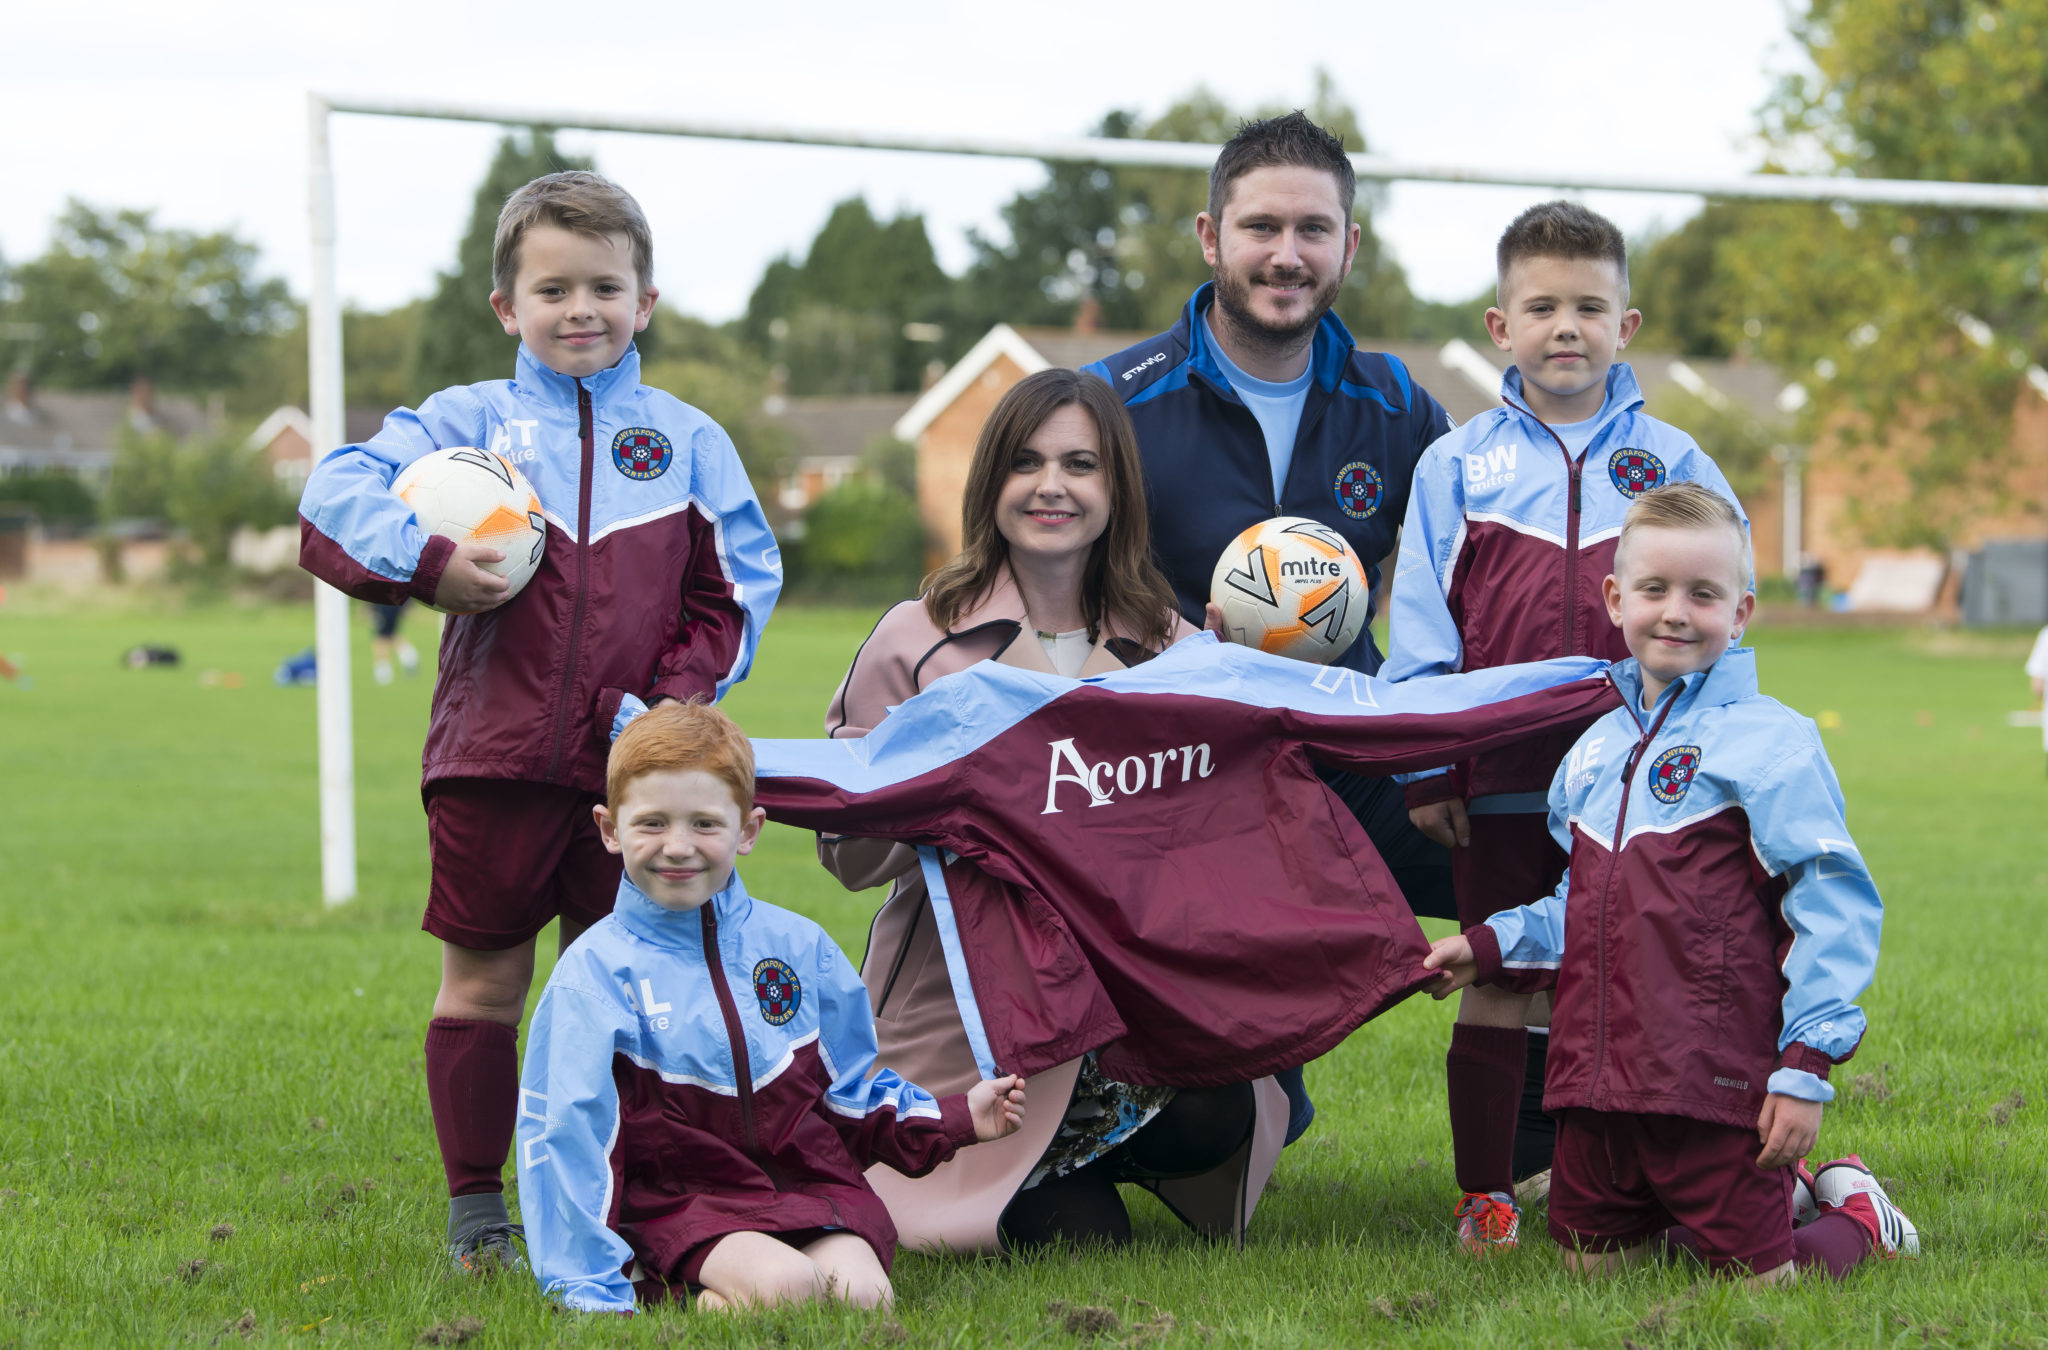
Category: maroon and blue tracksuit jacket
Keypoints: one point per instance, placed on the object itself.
(658, 576)
(1146, 863)
(1717, 923)
(1506, 541)
(695, 1073)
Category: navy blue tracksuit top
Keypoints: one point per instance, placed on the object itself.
(1207, 474)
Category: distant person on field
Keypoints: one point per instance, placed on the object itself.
(658, 576)
(1510, 528)
(386, 642)
(700, 1097)
(1709, 938)
(1257, 403)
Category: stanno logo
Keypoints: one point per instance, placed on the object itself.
(1126, 777)
(1152, 360)
(1495, 468)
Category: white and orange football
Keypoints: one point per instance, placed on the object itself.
(475, 496)
(1293, 587)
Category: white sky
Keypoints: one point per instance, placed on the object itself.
(198, 110)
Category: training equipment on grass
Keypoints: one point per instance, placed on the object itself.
(1292, 587)
(474, 496)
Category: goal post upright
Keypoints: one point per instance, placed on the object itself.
(330, 606)
(323, 313)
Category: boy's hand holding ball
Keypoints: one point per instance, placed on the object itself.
(466, 588)
(997, 1106)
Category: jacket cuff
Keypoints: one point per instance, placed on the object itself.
(956, 1120)
(1438, 787)
(1485, 951)
(1806, 1059)
(426, 578)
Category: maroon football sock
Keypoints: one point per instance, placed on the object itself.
(1485, 1069)
(1834, 1241)
(473, 1087)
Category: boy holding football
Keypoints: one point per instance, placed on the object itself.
(658, 576)
(1510, 527)
(697, 1105)
(1709, 938)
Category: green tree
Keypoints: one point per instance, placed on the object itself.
(713, 369)
(208, 486)
(461, 340)
(379, 354)
(1909, 327)
(1125, 237)
(117, 297)
(836, 322)
(863, 540)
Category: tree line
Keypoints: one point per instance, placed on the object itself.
(1909, 328)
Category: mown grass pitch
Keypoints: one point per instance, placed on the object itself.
(213, 1125)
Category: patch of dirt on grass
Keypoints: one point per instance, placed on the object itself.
(243, 1326)
(1869, 1087)
(451, 1333)
(1085, 1320)
(221, 1232)
(1412, 1308)
(888, 1331)
(192, 1271)
(2002, 1113)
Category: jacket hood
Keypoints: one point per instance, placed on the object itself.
(1624, 395)
(680, 929)
(1330, 350)
(1728, 679)
(622, 376)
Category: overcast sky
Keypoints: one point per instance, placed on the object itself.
(198, 110)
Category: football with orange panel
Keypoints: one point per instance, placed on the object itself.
(1293, 587)
(475, 496)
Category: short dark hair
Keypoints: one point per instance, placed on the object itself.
(574, 200)
(1287, 140)
(1561, 229)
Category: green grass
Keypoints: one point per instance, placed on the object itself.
(191, 1043)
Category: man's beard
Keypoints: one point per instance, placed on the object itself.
(1234, 307)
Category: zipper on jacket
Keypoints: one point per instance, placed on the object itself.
(742, 1063)
(1628, 773)
(583, 424)
(1572, 467)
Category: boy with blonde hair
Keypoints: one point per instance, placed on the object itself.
(658, 577)
(1510, 527)
(696, 1108)
(1709, 938)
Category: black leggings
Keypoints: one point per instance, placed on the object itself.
(1196, 1131)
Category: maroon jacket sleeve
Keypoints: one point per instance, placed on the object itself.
(330, 562)
(912, 1146)
(712, 624)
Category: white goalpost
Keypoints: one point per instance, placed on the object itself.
(323, 317)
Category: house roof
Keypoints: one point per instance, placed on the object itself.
(55, 426)
(832, 427)
(358, 424)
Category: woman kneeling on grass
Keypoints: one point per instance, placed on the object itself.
(1055, 574)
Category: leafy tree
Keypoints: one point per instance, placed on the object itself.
(863, 540)
(1675, 280)
(1909, 327)
(208, 486)
(836, 321)
(713, 369)
(118, 297)
(56, 498)
(379, 354)
(1125, 237)
(461, 340)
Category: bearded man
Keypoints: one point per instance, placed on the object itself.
(1258, 404)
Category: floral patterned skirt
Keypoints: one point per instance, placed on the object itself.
(1102, 1114)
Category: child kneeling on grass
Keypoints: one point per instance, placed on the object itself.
(1713, 928)
(696, 1107)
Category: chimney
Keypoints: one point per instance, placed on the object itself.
(1088, 317)
(141, 403)
(19, 392)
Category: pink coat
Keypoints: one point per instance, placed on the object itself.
(917, 1022)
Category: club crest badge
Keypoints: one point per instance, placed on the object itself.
(1636, 471)
(641, 453)
(1671, 773)
(1359, 489)
(779, 990)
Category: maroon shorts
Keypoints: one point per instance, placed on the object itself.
(508, 857)
(1512, 861)
(1620, 1178)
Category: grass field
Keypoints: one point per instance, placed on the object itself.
(213, 1125)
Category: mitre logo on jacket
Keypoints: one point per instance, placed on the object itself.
(1130, 775)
